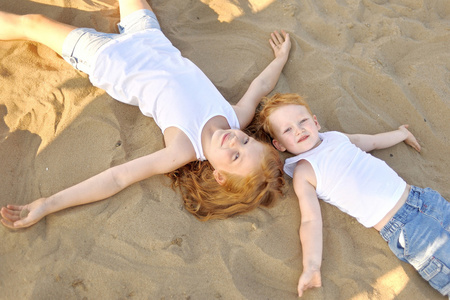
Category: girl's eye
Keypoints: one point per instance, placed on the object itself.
(246, 141)
(236, 156)
(287, 130)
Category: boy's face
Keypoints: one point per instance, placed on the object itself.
(295, 129)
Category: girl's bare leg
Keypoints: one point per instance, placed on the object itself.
(49, 32)
(129, 6)
(35, 28)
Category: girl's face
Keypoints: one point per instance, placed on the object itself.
(234, 152)
(295, 129)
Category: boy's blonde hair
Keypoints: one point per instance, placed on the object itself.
(273, 103)
(206, 199)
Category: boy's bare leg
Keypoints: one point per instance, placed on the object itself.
(35, 28)
(129, 6)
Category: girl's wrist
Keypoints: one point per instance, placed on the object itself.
(49, 205)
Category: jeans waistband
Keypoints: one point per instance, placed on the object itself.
(412, 203)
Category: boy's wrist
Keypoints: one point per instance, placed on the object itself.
(403, 132)
(311, 266)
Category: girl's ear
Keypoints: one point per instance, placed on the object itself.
(316, 122)
(278, 145)
(220, 178)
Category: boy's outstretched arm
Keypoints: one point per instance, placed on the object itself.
(94, 189)
(264, 83)
(384, 140)
(310, 227)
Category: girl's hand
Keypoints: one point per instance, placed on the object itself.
(309, 279)
(410, 138)
(280, 43)
(14, 216)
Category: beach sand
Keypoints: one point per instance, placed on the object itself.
(364, 66)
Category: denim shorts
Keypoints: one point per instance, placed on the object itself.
(419, 234)
(81, 44)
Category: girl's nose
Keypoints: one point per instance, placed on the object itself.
(233, 141)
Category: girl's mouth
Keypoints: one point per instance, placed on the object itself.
(225, 137)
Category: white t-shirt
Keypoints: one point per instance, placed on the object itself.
(146, 70)
(356, 182)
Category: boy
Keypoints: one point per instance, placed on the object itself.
(336, 168)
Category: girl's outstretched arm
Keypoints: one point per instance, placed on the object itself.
(96, 188)
(384, 140)
(266, 81)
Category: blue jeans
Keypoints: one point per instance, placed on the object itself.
(419, 234)
(81, 44)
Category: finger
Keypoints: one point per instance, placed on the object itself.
(412, 141)
(300, 292)
(285, 35)
(301, 288)
(274, 35)
(10, 214)
(278, 36)
(7, 223)
(14, 207)
(272, 44)
(20, 224)
(274, 39)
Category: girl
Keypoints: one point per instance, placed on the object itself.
(140, 66)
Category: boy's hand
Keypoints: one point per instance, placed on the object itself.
(410, 138)
(14, 216)
(309, 279)
(280, 43)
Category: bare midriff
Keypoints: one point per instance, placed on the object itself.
(394, 210)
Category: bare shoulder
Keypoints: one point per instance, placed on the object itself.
(304, 174)
(179, 146)
(305, 189)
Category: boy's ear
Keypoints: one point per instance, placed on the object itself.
(316, 122)
(278, 145)
(219, 177)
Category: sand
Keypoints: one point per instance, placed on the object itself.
(365, 67)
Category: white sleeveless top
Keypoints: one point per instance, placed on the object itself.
(356, 182)
(146, 70)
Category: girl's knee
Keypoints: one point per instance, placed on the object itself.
(16, 26)
(29, 23)
(31, 20)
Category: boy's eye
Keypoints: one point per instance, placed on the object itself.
(236, 156)
(288, 129)
(246, 141)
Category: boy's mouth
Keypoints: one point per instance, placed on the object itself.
(303, 138)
